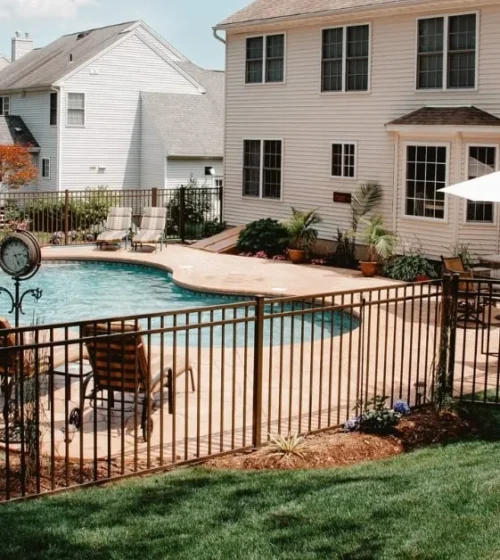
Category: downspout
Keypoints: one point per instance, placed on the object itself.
(214, 30)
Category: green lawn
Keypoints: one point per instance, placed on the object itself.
(437, 503)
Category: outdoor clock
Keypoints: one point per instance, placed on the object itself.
(20, 255)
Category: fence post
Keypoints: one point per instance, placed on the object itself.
(448, 336)
(182, 213)
(66, 216)
(221, 202)
(257, 372)
(154, 197)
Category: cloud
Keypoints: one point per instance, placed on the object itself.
(41, 8)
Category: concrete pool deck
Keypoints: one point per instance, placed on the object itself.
(216, 273)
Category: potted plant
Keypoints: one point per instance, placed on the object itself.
(302, 233)
(411, 267)
(380, 244)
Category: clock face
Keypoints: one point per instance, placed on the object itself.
(15, 256)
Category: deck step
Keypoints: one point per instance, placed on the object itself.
(224, 242)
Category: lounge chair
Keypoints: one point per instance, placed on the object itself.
(152, 227)
(121, 364)
(471, 301)
(117, 228)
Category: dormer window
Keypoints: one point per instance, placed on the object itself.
(4, 106)
(265, 59)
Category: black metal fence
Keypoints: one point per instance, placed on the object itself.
(90, 401)
(74, 217)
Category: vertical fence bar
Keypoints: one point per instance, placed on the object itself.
(154, 197)
(66, 216)
(182, 214)
(257, 372)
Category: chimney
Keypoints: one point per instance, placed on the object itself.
(21, 45)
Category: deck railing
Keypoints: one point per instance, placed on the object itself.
(74, 217)
(90, 401)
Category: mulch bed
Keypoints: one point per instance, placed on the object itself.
(334, 448)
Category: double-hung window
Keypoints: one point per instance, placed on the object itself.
(4, 106)
(53, 108)
(482, 160)
(262, 173)
(344, 160)
(447, 52)
(345, 59)
(46, 168)
(76, 109)
(426, 173)
(265, 59)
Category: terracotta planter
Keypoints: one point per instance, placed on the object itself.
(297, 256)
(368, 268)
(422, 278)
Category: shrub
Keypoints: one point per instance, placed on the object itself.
(197, 205)
(301, 229)
(212, 227)
(266, 235)
(377, 417)
(407, 267)
(288, 445)
(345, 252)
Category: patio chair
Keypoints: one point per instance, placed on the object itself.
(471, 300)
(118, 224)
(121, 364)
(152, 227)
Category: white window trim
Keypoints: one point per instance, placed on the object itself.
(4, 97)
(50, 168)
(344, 60)
(445, 51)
(84, 110)
(406, 216)
(497, 155)
(344, 142)
(261, 170)
(264, 60)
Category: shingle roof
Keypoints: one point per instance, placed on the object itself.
(44, 67)
(274, 9)
(13, 130)
(191, 125)
(448, 116)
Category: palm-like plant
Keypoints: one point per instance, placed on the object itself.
(364, 200)
(381, 243)
(301, 228)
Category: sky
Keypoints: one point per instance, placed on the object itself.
(186, 24)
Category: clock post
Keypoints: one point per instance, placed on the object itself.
(20, 258)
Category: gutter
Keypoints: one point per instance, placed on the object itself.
(395, 5)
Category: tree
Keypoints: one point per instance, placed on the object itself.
(16, 166)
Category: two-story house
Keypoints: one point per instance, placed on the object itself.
(116, 106)
(323, 95)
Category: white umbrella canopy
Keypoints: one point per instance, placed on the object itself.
(481, 189)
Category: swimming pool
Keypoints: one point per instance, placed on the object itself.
(79, 290)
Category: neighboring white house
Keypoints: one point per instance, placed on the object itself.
(83, 98)
(323, 95)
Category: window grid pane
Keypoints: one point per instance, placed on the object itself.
(272, 169)
(76, 109)
(254, 60)
(482, 161)
(357, 58)
(251, 168)
(4, 106)
(275, 58)
(344, 160)
(462, 51)
(332, 53)
(425, 175)
(430, 53)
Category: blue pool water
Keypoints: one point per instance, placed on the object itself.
(74, 291)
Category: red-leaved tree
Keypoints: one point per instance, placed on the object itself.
(16, 166)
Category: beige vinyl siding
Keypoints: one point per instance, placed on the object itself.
(111, 138)
(153, 158)
(309, 121)
(34, 108)
(179, 171)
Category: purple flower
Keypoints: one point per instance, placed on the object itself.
(401, 407)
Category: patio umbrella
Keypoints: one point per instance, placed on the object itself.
(482, 189)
